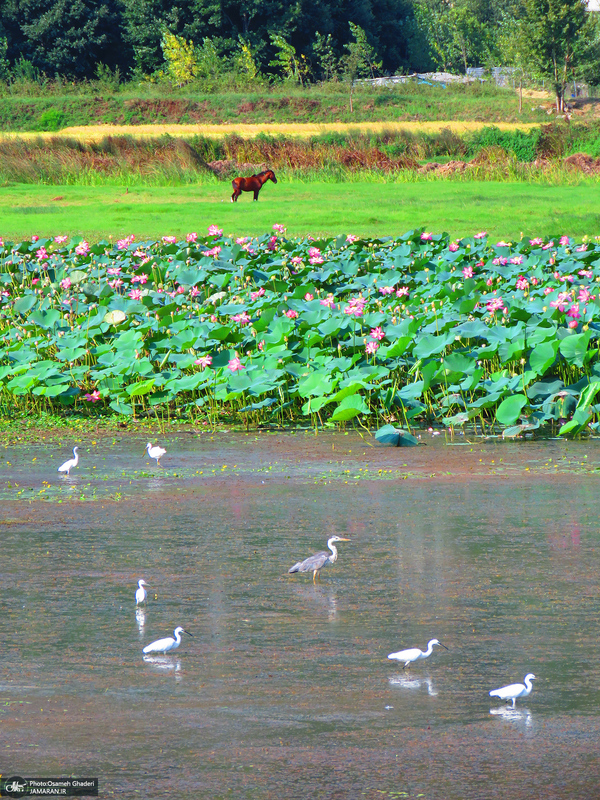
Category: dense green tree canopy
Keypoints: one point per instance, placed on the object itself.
(72, 38)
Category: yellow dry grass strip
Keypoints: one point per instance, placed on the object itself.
(95, 133)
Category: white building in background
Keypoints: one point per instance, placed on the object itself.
(594, 5)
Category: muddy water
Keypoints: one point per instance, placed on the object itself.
(285, 690)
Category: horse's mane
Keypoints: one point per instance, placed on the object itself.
(264, 172)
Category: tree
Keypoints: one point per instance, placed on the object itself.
(324, 50)
(182, 65)
(555, 40)
(64, 37)
(360, 59)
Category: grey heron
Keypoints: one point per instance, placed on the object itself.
(515, 690)
(414, 654)
(316, 563)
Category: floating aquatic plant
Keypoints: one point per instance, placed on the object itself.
(403, 330)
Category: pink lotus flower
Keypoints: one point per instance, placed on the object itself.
(371, 348)
(82, 249)
(573, 323)
(584, 294)
(60, 239)
(377, 333)
(65, 283)
(386, 289)
(291, 314)
(206, 361)
(496, 304)
(502, 244)
(272, 246)
(257, 294)
(574, 311)
(296, 261)
(169, 239)
(212, 253)
(42, 254)
(93, 397)
(536, 242)
(426, 237)
(316, 260)
(34, 238)
(351, 238)
(313, 251)
(308, 296)
(241, 240)
(501, 261)
(194, 291)
(191, 238)
(453, 247)
(235, 364)
(116, 283)
(522, 283)
(143, 278)
(403, 291)
(242, 318)
(468, 272)
(135, 294)
(261, 344)
(518, 260)
(489, 282)
(587, 273)
(480, 235)
(214, 230)
(279, 228)
(581, 249)
(561, 301)
(548, 245)
(564, 241)
(123, 244)
(113, 271)
(355, 307)
(328, 301)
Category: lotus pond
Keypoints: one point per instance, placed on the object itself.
(414, 330)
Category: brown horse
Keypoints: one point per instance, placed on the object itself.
(252, 184)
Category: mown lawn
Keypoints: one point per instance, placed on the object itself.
(368, 209)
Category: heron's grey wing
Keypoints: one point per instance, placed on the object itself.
(314, 562)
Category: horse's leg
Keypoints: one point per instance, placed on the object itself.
(235, 195)
(256, 191)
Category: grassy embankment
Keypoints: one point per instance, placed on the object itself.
(30, 107)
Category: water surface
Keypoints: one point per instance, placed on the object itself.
(285, 689)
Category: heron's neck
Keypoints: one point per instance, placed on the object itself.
(333, 549)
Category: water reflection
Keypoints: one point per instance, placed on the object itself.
(322, 598)
(165, 664)
(513, 714)
(403, 682)
(140, 618)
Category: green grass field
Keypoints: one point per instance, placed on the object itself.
(460, 208)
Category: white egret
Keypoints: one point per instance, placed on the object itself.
(167, 644)
(515, 689)
(72, 462)
(319, 560)
(155, 452)
(141, 594)
(414, 654)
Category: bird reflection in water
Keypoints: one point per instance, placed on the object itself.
(165, 664)
(513, 714)
(140, 618)
(403, 682)
(324, 599)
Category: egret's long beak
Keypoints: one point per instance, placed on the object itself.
(443, 645)
(189, 634)
(341, 539)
